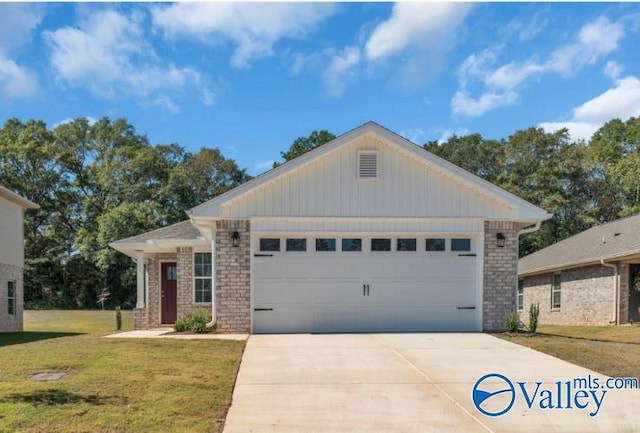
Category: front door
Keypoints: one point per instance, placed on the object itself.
(634, 294)
(169, 292)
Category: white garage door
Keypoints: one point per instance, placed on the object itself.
(364, 284)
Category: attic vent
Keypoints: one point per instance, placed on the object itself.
(367, 165)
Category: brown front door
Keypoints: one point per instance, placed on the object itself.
(169, 292)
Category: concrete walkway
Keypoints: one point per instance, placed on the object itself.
(407, 383)
(168, 333)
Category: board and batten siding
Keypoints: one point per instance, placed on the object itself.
(11, 233)
(328, 187)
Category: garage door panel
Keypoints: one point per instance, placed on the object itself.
(364, 291)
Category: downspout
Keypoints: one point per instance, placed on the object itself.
(616, 290)
(213, 272)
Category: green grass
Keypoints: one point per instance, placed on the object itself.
(112, 385)
(610, 350)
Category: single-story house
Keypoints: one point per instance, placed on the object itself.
(590, 278)
(12, 207)
(368, 232)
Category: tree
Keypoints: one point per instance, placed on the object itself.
(302, 145)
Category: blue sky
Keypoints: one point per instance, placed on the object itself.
(250, 78)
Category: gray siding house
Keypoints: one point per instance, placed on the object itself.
(12, 208)
(590, 278)
(367, 233)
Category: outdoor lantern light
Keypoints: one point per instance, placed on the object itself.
(235, 238)
(500, 239)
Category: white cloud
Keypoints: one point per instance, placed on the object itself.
(413, 23)
(621, 101)
(16, 81)
(465, 105)
(340, 70)
(254, 28)
(415, 135)
(90, 120)
(107, 54)
(448, 133)
(499, 85)
(613, 69)
(264, 165)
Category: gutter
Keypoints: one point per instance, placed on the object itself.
(212, 232)
(530, 229)
(616, 290)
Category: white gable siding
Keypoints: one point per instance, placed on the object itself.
(328, 187)
(11, 231)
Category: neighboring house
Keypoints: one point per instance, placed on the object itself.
(368, 232)
(587, 278)
(12, 208)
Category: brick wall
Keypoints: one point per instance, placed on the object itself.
(500, 274)
(586, 296)
(624, 292)
(233, 277)
(10, 323)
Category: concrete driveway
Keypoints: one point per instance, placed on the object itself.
(414, 383)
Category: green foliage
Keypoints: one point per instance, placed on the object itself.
(534, 312)
(97, 183)
(194, 322)
(511, 321)
(302, 145)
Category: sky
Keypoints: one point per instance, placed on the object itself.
(249, 78)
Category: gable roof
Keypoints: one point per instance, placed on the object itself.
(526, 211)
(182, 230)
(6, 193)
(610, 241)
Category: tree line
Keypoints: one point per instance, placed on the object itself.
(100, 182)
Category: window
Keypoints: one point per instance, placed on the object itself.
(269, 244)
(325, 244)
(368, 165)
(298, 244)
(349, 244)
(172, 273)
(436, 244)
(202, 275)
(520, 294)
(556, 284)
(380, 244)
(11, 295)
(461, 244)
(406, 245)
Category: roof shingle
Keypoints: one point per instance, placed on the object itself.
(607, 241)
(181, 230)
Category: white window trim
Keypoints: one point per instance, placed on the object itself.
(201, 278)
(554, 291)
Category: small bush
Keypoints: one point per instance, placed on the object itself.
(118, 319)
(194, 322)
(534, 312)
(512, 321)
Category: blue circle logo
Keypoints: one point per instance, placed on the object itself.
(493, 394)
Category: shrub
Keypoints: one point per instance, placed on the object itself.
(534, 312)
(512, 321)
(118, 319)
(195, 321)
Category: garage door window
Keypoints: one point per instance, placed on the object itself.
(406, 245)
(202, 275)
(297, 244)
(267, 244)
(380, 244)
(435, 244)
(325, 244)
(461, 244)
(351, 244)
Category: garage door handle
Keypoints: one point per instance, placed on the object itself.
(364, 290)
(466, 308)
(263, 309)
(367, 290)
(263, 255)
(466, 255)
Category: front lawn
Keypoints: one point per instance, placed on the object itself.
(157, 385)
(610, 350)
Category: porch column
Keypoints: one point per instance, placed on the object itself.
(140, 279)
